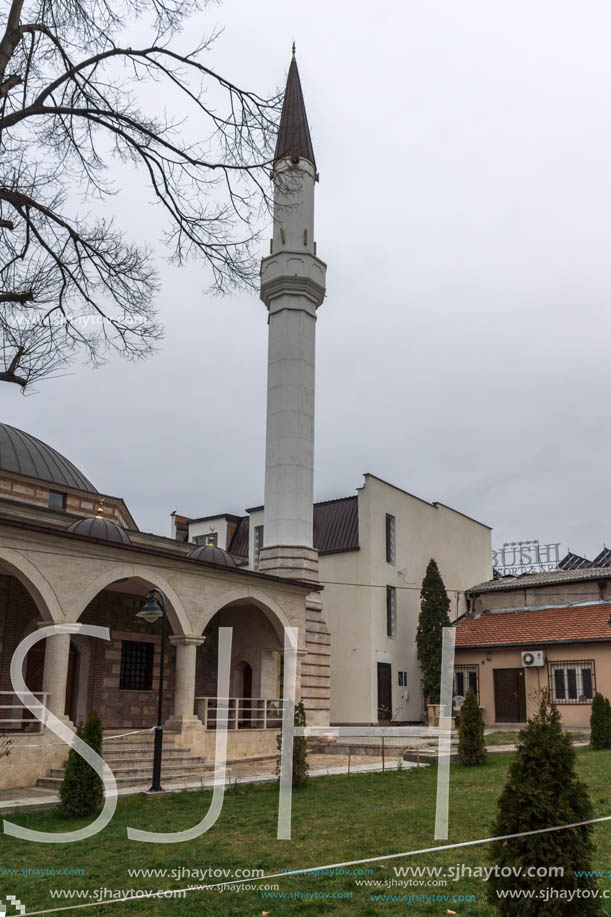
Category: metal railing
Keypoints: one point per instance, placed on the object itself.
(241, 712)
(14, 717)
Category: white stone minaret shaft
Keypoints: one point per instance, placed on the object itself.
(292, 288)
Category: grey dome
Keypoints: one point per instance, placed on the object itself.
(210, 554)
(102, 529)
(24, 454)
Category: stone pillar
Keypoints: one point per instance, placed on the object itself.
(184, 695)
(55, 677)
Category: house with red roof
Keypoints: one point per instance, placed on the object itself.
(549, 630)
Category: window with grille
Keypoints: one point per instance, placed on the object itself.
(466, 678)
(390, 539)
(136, 666)
(572, 682)
(258, 544)
(391, 611)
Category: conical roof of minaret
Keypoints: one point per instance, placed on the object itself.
(294, 133)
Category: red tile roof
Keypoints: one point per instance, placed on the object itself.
(534, 626)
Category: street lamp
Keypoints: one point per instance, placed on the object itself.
(151, 611)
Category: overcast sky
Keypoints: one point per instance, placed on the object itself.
(463, 210)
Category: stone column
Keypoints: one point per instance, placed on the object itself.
(55, 677)
(184, 693)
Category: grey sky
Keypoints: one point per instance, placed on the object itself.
(463, 211)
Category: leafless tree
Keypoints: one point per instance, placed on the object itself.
(74, 286)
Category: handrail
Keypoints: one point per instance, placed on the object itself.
(240, 712)
(26, 722)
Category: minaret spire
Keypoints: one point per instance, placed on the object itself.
(292, 288)
(294, 132)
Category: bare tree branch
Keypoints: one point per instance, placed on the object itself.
(73, 285)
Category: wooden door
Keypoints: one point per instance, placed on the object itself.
(384, 691)
(509, 696)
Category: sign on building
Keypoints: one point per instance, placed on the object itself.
(516, 557)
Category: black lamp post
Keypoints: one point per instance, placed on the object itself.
(151, 611)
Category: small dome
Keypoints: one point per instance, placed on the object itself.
(99, 528)
(24, 454)
(210, 554)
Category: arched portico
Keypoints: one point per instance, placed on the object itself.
(14, 563)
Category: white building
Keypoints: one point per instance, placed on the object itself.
(373, 551)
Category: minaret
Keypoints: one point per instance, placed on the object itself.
(292, 288)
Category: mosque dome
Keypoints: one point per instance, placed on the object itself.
(22, 453)
(210, 554)
(102, 529)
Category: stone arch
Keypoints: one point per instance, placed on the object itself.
(177, 616)
(35, 582)
(261, 600)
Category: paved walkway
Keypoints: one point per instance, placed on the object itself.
(30, 799)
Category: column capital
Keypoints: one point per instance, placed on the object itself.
(187, 640)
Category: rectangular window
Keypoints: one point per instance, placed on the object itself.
(403, 679)
(212, 538)
(572, 682)
(390, 539)
(57, 500)
(258, 544)
(391, 611)
(466, 678)
(136, 665)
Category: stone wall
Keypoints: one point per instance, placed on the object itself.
(36, 493)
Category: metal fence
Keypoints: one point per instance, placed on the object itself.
(241, 712)
(14, 717)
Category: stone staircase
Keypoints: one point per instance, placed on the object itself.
(131, 761)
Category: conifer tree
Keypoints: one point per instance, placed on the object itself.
(82, 789)
(541, 791)
(471, 745)
(434, 615)
(600, 722)
(300, 749)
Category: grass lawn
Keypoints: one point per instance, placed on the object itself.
(334, 819)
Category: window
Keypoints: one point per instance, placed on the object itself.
(212, 538)
(391, 611)
(258, 544)
(390, 539)
(572, 682)
(136, 666)
(57, 500)
(466, 678)
(403, 679)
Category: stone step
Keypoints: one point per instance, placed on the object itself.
(166, 777)
(143, 754)
(145, 771)
(182, 761)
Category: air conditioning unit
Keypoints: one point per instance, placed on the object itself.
(532, 658)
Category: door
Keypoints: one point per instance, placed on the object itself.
(246, 703)
(509, 696)
(384, 691)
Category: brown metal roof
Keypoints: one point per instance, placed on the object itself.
(294, 133)
(336, 528)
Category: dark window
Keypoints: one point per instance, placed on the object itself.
(391, 611)
(57, 500)
(572, 682)
(136, 665)
(586, 682)
(390, 539)
(466, 678)
(403, 679)
(258, 544)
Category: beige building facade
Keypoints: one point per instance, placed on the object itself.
(521, 634)
(373, 550)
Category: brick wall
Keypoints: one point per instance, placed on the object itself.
(37, 494)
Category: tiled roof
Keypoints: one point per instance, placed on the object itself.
(336, 528)
(566, 624)
(526, 580)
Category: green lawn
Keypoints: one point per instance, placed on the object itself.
(510, 737)
(334, 819)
